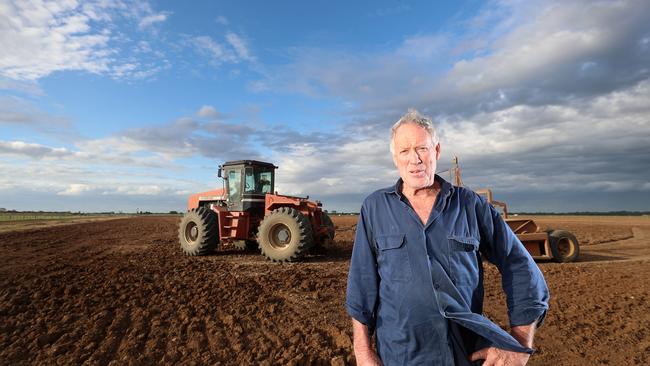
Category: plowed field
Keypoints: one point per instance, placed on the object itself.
(120, 292)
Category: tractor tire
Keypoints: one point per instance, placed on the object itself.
(250, 245)
(330, 225)
(325, 240)
(564, 246)
(198, 231)
(285, 235)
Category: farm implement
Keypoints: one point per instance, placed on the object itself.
(558, 245)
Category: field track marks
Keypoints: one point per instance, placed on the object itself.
(636, 248)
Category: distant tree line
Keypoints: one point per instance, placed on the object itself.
(42, 212)
(335, 213)
(586, 213)
(79, 213)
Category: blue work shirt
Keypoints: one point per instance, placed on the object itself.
(418, 284)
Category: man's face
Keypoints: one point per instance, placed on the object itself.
(415, 156)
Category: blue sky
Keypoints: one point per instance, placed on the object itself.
(120, 105)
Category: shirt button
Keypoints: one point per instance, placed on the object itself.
(436, 286)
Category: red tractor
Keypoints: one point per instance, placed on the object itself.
(249, 215)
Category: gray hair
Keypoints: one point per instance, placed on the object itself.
(414, 117)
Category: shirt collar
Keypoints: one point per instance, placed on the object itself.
(446, 188)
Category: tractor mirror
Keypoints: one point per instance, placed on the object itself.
(219, 173)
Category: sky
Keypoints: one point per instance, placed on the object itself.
(132, 105)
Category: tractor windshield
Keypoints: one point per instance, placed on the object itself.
(258, 181)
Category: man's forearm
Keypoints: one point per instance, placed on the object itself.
(363, 351)
(361, 337)
(524, 334)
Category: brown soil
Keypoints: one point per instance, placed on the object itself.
(594, 229)
(6, 226)
(121, 292)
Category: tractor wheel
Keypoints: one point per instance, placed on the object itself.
(198, 231)
(246, 245)
(564, 246)
(330, 225)
(285, 235)
(325, 240)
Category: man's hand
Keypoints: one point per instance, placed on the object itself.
(499, 357)
(363, 352)
(524, 334)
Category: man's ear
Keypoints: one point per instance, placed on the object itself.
(437, 151)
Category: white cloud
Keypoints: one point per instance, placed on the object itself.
(239, 45)
(208, 46)
(68, 185)
(136, 190)
(75, 189)
(22, 112)
(221, 20)
(423, 47)
(232, 50)
(32, 150)
(111, 151)
(569, 33)
(512, 53)
(259, 86)
(590, 147)
(42, 37)
(152, 19)
(576, 147)
(208, 111)
(27, 87)
(352, 167)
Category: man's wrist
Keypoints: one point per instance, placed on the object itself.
(367, 357)
(524, 334)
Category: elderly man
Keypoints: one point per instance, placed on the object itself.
(416, 276)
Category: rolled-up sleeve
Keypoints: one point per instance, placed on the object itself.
(363, 280)
(522, 281)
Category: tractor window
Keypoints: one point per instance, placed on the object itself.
(234, 182)
(258, 182)
(250, 181)
(266, 183)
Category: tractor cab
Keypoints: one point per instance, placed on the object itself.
(246, 184)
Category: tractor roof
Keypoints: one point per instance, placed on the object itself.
(249, 162)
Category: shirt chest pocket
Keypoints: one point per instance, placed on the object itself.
(464, 260)
(393, 259)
